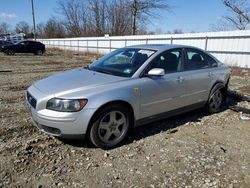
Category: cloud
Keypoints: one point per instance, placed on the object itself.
(7, 15)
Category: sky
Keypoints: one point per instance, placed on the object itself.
(187, 15)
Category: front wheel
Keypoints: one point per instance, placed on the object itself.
(110, 127)
(215, 102)
(9, 52)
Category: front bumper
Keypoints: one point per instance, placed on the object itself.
(61, 124)
(51, 131)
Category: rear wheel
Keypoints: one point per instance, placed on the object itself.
(39, 52)
(216, 101)
(110, 127)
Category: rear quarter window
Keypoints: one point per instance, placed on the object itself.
(195, 59)
(212, 62)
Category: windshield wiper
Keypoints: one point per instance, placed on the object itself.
(104, 71)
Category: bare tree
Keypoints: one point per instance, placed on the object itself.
(95, 17)
(98, 17)
(177, 31)
(40, 30)
(240, 13)
(144, 9)
(118, 17)
(53, 29)
(4, 28)
(22, 27)
(221, 25)
(75, 16)
(98, 11)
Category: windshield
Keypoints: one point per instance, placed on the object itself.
(17, 42)
(123, 62)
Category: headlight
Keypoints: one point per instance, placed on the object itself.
(66, 105)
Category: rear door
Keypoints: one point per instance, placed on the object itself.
(199, 76)
(30, 47)
(34, 46)
(163, 93)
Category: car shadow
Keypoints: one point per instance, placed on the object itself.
(171, 124)
(234, 98)
(75, 142)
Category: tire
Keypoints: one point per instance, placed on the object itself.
(9, 52)
(39, 52)
(216, 101)
(110, 127)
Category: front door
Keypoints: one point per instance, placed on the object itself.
(163, 93)
(23, 47)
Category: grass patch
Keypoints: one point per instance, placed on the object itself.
(239, 71)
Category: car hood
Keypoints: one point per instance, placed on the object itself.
(74, 80)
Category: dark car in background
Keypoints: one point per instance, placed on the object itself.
(26, 46)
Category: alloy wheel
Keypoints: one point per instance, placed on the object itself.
(39, 52)
(112, 127)
(216, 101)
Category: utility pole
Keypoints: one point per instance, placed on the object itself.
(34, 23)
(134, 7)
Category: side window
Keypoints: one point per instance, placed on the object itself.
(212, 62)
(195, 60)
(25, 43)
(170, 61)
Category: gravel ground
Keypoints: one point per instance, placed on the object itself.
(189, 150)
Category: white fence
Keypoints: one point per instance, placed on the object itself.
(232, 47)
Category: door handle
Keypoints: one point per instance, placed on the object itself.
(180, 79)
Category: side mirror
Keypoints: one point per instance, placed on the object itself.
(156, 72)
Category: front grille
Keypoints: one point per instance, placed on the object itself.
(31, 100)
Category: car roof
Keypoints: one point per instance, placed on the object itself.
(27, 41)
(23, 41)
(160, 47)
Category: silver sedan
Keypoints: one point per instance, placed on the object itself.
(129, 87)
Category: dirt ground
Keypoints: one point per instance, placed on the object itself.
(190, 150)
